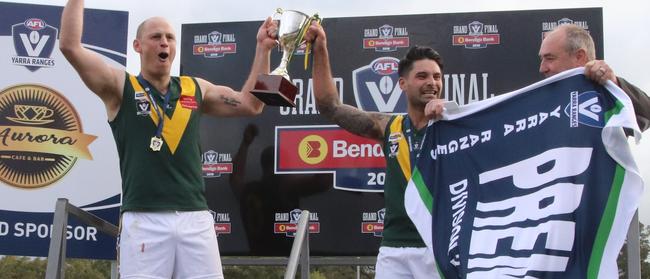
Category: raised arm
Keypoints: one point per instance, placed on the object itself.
(365, 124)
(224, 101)
(103, 80)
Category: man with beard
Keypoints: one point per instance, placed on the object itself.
(403, 253)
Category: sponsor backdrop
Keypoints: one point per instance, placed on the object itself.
(261, 171)
(55, 142)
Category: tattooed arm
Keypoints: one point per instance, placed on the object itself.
(224, 101)
(365, 124)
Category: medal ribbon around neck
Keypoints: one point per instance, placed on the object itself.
(160, 112)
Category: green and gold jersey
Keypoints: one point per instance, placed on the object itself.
(169, 179)
(399, 231)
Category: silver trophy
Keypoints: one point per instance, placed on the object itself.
(276, 88)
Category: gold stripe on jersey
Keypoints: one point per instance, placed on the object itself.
(403, 150)
(173, 128)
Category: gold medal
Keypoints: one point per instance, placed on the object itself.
(156, 143)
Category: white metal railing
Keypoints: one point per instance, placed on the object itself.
(56, 255)
(300, 249)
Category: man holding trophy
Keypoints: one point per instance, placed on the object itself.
(403, 253)
(166, 230)
(276, 89)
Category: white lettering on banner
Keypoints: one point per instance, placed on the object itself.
(530, 122)
(566, 162)
(4, 228)
(458, 88)
(458, 192)
(523, 265)
(45, 231)
(460, 144)
(559, 236)
(341, 149)
(305, 101)
(549, 201)
(565, 198)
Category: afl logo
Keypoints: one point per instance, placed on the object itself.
(312, 149)
(385, 66)
(35, 24)
(40, 136)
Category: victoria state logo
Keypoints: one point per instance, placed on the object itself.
(312, 149)
(376, 86)
(585, 108)
(214, 44)
(34, 41)
(40, 136)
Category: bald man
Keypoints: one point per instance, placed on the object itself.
(166, 230)
(568, 47)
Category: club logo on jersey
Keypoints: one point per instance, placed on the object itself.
(41, 136)
(386, 38)
(586, 109)
(214, 44)
(215, 164)
(222, 223)
(476, 35)
(548, 26)
(376, 86)
(142, 107)
(393, 141)
(34, 42)
(373, 222)
(287, 222)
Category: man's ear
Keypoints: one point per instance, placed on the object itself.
(136, 46)
(581, 56)
(402, 83)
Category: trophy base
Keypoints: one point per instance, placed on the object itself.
(275, 90)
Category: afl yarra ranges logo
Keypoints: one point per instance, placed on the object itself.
(40, 136)
(312, 149)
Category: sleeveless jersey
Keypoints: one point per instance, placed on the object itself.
(399, 230)
(169, 179)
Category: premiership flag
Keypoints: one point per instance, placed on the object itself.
(536, 183)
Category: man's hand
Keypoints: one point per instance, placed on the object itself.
(434, 109)
(267, 34)
(316, 35)
(599, 71)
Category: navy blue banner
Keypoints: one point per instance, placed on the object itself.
(527, 185)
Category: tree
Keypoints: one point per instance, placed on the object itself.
(644, 232)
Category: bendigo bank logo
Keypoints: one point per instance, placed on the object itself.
(287, 223)
(40, 136)
(324, 148)
(376, 86)
(373, 222)
(214, 164)
(385, 38)
(476, 35)
(34, 41)
(357, 163)
(312, 149)
(214, 44)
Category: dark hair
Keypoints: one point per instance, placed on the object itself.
(416, 53)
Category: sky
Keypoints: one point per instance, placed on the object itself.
(625, 25)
